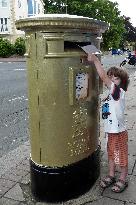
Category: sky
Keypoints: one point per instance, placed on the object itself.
(127, 8)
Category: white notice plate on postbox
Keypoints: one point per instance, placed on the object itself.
(82, 85)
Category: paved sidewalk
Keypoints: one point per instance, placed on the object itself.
(14, 170)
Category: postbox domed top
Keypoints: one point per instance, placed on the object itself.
(62, 22)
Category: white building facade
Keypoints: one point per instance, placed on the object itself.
(12, 10)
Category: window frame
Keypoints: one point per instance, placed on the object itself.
(4, 3)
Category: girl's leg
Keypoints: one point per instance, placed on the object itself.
(111, 147)
(123, 149)
(124, 173)
(122, 183)
(111, 167)
(110, 151)
(109, 179)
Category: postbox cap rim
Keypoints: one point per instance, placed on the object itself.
(63, 20)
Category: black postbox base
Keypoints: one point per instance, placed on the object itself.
(64, 183)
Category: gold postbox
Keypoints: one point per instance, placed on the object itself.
(63, 91)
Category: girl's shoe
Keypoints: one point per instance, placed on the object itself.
(119, 186)
(107, 181)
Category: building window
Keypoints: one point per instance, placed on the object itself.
(4, 3)
(3, 26)
(30, 7)
(34, 7)
(19, 3)
(38, 8)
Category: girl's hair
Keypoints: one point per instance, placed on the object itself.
(122, 74)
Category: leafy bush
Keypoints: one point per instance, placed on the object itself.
(6, 48)
(19, 46)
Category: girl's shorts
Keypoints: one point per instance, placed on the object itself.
(117, 148)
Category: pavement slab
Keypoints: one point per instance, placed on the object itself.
(129, 195)
(26, 179)
(6, 201)
(6, 183)
(13, 158)
(14, 174)
(15, 193)
(3, 190)
(134, 170)
(132, 148)
(106, 201)
(131, 164)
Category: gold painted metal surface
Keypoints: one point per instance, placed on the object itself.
(61, 22)
(63, 130)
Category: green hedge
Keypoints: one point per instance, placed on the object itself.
(8, 49)
(20, 46)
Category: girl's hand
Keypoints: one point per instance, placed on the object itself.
(100, 70)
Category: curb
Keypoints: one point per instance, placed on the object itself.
(6, 60)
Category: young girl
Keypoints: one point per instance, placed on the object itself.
(116, 80)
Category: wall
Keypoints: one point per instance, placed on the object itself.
(5, 21)
(12, 10)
